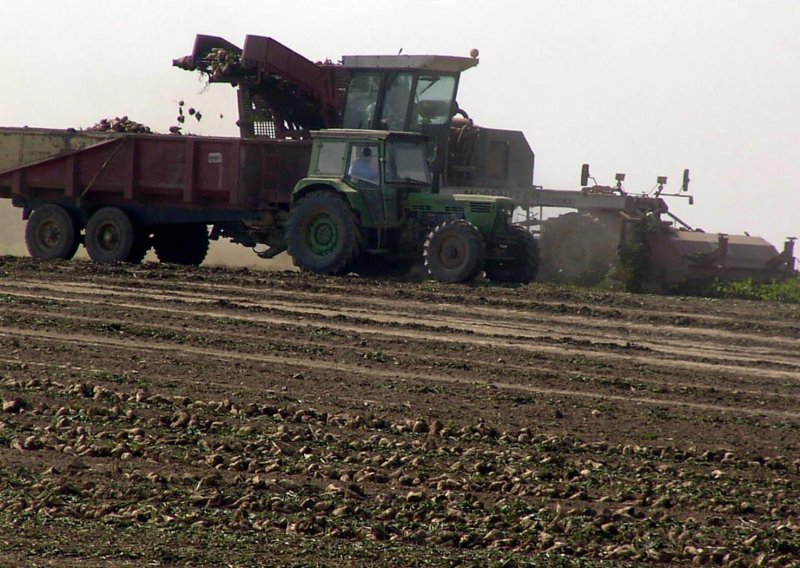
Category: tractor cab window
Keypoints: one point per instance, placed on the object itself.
(330, 161)
(407, 162)
(362, 98)
(433, 100)
(395, 103)
(364, 164)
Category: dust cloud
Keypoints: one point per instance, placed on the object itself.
(224, 253)
(12, 230)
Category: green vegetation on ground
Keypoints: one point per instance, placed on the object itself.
(787, 291)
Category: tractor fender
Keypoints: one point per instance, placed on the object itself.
(353, 197)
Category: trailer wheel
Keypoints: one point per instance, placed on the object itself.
(454, 251)
(51, 232)
(110, 236)
(323, 234)
(182, 244)
(524, 262)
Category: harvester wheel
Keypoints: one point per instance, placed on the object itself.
(577, 248)
(454, 251)
(323, 234)
(51, 232)
(522, 267)
(110, 236)
(185, 244)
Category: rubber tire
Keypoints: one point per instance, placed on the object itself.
(577, 248)
(525, 260)
(39, 229)
(181, 244)
(455, 237)
(110, 236)
(343, 257)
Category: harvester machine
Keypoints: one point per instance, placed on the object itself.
(613, 236)
(284, 95)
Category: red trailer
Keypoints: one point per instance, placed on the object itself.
(131, 191)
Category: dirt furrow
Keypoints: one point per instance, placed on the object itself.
(509, 332)
(305, 363)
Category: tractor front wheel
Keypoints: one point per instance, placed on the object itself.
(323, 234)
(454, 251)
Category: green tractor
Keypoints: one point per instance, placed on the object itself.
(369, 206)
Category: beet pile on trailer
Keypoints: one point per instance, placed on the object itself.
(443, 190)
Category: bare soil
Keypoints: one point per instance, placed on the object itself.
(157, 415)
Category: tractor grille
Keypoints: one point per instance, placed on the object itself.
(453, 209)
(419, 207)
(479, 207)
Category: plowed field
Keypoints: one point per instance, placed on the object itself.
(157, 415)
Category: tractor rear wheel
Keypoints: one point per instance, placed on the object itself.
(110, 236)
(51, 232)
(524, 262)
(323, 234)
(454, 251)
(185, 244)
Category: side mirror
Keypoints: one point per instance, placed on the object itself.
(584, 175)
(685, 182)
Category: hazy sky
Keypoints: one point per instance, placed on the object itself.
(645, 87)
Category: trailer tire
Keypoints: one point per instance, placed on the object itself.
(454, 251)
(182, 244)
(51, 232)
(323, 235)
(110, 236)
(522, 267)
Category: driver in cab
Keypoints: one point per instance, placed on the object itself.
(365, 165)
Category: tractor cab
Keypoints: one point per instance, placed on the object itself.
(374, 168)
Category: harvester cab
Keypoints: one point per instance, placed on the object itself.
(417, 93)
